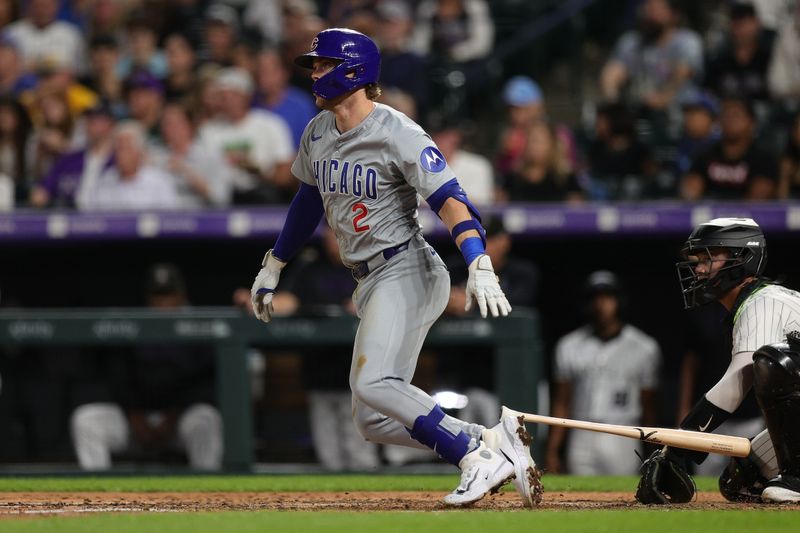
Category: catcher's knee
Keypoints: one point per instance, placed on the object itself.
(741, 481)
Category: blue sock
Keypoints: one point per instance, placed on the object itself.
(451, 448)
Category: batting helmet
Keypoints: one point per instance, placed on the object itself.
(358, 57)
(742, 237)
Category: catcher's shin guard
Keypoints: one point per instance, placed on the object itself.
(776, 370)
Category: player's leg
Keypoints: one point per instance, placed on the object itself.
(744, 478)
(398, 304)
(200, 432)
(776, 373)
(98, 429)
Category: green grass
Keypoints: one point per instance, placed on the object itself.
(648, 521)
(297, 483)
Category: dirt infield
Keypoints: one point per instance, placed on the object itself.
(16, 504)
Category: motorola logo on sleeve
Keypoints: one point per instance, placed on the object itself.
(432, 159)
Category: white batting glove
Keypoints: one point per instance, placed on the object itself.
(484, 287)
(264, 286)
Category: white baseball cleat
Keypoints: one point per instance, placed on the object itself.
(482, 471)
(510, 439)
(782, 490)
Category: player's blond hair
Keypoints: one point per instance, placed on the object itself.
(373, 91)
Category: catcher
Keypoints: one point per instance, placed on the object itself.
(724, 261)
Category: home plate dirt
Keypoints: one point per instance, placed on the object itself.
(15, 504)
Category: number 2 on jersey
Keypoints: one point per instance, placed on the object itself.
(361, 212)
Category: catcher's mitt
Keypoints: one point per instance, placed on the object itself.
(664, 480)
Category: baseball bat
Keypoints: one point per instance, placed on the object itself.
(679, 438)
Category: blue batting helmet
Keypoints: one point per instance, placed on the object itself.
(360, 61)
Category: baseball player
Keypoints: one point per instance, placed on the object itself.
(362, 164)
(725, 258)
(605, 371)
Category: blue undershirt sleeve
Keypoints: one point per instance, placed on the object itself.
(302, 220)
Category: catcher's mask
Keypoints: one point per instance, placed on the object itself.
(358, 58)
(747, 256)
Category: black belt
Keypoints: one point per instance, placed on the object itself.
(361, 270)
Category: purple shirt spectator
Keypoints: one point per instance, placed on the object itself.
(64, 179)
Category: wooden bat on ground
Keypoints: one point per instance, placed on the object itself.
(678, 438)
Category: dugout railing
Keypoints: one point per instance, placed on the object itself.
(513, 341)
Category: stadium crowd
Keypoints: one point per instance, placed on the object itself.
(185, 104)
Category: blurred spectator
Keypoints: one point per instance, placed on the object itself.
(79, 170)
(145, 98)
(655, 64)
(274, 93)
(181, 78)
(474, 171)
(544, 173)
(102, 77)
(700, 130)
(400, 67)
(257, 144)
(739, 66)
(300, 25)
(524, 108)
(13, 80)
(453, 31)
(141, 50)
(605, 371)
(53, 133)
(620, 166)
(107, 17)
(735, 168)
(9, 12)
(166, 402)
(784, 74)
(55, 77)
(132, 183)
(524, 105)
(200, 174)
(789, 185)
(220, 33)
(772, 13)
(41, 37)
(340, 12)
(265, 17)
(204, 99)
(15, 129)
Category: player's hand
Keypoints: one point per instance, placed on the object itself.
(484, 287)
(264, 286)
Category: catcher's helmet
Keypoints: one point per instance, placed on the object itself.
(358, 56)
(748, 256)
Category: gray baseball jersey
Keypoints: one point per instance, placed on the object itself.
(369, 178)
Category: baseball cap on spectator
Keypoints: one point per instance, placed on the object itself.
(144, 79)
(521, 91)
(101, 107)
(222, 14)
(163, 279)
(739, 10)
(393, 10)
(103, 41)
(234, 79)
(701, 100)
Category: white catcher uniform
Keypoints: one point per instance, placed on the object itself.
(764, 317)
(607, 378)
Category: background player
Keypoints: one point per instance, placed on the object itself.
(362, 164)
(605, 371)
(725, 258)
